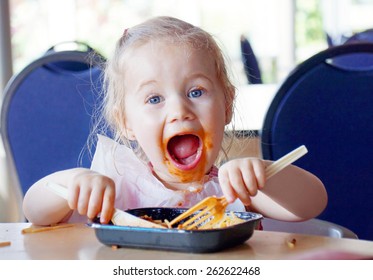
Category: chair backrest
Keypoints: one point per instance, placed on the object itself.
(47, 111)
(329, 109)
(361, 60)
(329, 40)
(250, 62)
(360, 37)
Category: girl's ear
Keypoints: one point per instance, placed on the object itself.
(228, 114)
(124, 125)
(129, 134)
(127, 129)
(229, 105)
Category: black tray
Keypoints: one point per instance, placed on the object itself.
(195, 241)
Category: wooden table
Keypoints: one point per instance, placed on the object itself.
(79, 242)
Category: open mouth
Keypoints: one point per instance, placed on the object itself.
(185, 151)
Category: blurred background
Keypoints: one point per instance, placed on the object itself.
(282, 33)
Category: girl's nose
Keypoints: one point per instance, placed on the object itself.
(180, 110)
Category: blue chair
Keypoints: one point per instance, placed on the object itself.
(360, 60)
(329, 40)
(47, 111)
(328, 107)
(360, 37)
(250, 62)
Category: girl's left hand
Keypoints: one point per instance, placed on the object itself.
(241, 178)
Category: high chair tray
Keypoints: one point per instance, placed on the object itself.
(194, 241)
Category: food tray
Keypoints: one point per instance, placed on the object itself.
(195, 241)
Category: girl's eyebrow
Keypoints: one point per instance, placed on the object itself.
(200, 75)
(145, 84)
(193, 76)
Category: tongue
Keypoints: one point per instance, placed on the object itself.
(183, 146)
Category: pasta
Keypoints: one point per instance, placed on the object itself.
(41, 229)
(5, 243)
(229, 219)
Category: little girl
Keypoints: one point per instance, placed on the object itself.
(168, 99)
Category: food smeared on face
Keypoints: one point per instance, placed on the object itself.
(185, 151)
(185, 156)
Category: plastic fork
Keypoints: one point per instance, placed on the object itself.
(211, 210)
(120, 218)
(211, 206)
(284, 161)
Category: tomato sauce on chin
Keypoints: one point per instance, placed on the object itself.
(199, 169)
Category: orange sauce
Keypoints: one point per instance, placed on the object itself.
(195, 174)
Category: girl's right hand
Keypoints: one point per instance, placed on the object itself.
(91, 193)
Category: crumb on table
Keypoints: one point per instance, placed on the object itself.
(291, 243)
(5, 243)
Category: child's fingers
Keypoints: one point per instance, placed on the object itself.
(107, 206)
(226, 187)
(84, 197)
(233, 186)
(242, 178)
(239, 186)
(250, 183)
(73, 197)
(95, 202)
(259, 168)
(249, 176)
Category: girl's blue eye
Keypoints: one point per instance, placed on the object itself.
(154, 100)
(195, 93)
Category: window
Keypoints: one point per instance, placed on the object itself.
(282, 33)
